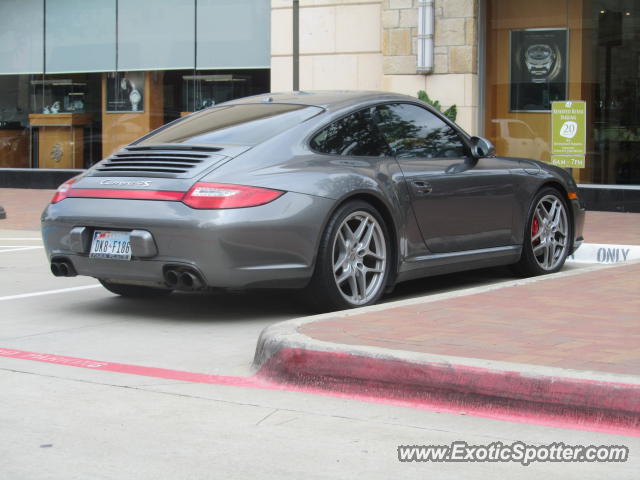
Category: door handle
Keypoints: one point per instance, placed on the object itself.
(421, 187)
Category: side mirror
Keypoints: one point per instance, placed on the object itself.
(481, 148)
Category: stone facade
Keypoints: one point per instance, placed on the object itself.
(399, 28)
(456, 36)
(456, 43)
(372, 45)
(340, 45)
(454, 80)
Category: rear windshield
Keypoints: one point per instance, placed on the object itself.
(248, 124)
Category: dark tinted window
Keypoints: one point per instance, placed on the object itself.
(413, 131)
(247, 124)
(352, 135)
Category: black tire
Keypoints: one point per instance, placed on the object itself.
(135, 291)
(531, 263)
(324, 292)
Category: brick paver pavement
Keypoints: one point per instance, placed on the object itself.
(23, 207)
(588, 321)
(612, 227)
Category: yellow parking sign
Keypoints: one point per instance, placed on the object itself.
(568, 132)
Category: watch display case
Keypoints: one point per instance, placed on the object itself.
(63, 107)
(202, 91)
(60, 95)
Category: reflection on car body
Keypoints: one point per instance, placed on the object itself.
(517, 139)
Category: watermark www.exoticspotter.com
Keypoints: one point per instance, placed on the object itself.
(518, 452)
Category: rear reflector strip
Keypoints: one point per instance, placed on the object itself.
(208, 196)
(126, 194)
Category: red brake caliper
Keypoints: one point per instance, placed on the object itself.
(535, 226)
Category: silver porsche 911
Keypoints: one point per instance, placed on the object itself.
(342, 194)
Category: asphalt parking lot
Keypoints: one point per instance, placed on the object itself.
(64, 422)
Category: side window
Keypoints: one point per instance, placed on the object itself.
(352, 135)
(412, 131)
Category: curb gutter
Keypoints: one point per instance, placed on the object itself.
(283, 354)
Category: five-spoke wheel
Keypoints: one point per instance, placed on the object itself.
(548, 235)
(353, 259)
(359, 257)
(549, 232)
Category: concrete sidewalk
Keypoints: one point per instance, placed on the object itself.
(564, 346)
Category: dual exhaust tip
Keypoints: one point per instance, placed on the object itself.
(179, 278)
(183, 279)
(63, 268)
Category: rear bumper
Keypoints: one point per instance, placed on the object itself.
(272, 245)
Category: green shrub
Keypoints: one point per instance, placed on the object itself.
(451, 113)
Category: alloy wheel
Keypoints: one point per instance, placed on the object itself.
(359, 258)
(549, 232)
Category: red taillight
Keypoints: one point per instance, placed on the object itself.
(218, 195)
(63, 191)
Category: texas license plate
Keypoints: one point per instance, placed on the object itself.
(111, 245)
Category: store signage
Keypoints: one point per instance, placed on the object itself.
(568, 133)
(568, 161)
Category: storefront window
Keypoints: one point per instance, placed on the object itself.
(63, 120)
(549, 50)
(79, 79)
(138, 102)
(192, 91)
(15, 149)
(615, 46)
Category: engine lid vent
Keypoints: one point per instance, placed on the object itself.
(158, 162)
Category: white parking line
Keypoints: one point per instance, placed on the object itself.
(48, 292)
(10, 239)
(16, 248)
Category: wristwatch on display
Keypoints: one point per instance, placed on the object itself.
(539, 59)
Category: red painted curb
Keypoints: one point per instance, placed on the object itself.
(557, 400)
(128, 369)
(297, 370)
